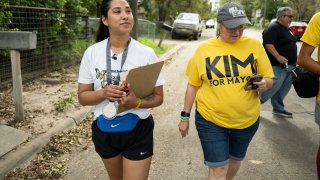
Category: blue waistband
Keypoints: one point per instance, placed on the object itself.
(123, 123)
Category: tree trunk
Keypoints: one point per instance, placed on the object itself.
(134, 7)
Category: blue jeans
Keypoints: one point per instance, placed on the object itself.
(281, 86)
(221, 144)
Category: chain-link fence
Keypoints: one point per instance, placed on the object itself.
(62, 37)
(146, 29)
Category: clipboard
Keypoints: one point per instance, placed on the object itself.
(142, 79)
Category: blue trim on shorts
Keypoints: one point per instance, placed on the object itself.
(221, 144)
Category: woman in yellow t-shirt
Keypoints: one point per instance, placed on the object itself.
(227, 111)
(311, 41)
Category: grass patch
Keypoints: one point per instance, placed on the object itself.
(64, 104)
(158, 50)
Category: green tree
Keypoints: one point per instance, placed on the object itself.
(162, 9)
(92, 6)
(304, 9)
(148, 6)
(207, 11)
(168, 10)
(58, 4)
(134, 7)
(4, 14)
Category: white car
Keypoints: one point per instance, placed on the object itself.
(187, 24)
(210, 23)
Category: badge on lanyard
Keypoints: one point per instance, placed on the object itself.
(110, 110)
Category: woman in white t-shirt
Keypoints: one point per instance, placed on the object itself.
(124, 141)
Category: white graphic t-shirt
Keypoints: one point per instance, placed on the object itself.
(93, 69)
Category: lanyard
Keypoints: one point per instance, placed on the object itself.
(108, 59)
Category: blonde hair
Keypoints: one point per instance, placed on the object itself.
(218, 33)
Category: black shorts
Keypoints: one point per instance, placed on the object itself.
(134, 145)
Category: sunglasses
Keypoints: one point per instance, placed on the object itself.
(239, 28)
(289, 16)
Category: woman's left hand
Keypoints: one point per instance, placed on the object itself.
(129, 100)
(184, 128)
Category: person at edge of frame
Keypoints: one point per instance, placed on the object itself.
(311, 41)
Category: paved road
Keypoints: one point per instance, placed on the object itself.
(281, 149)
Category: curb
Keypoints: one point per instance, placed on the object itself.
(168, 55)
(28, 151)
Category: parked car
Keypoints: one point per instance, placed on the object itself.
(298, 28)
(187, 24)
(210, 23)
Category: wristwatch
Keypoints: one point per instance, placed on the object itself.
(185, 114)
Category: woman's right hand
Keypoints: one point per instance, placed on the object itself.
(113, 92)
(184, 128)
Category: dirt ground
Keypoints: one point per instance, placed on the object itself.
(46, 100)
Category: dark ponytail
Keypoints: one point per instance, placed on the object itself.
(103, 31)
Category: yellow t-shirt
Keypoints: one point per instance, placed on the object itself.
(221, 70)
(312, 37)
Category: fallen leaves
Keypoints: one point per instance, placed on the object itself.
(50, 163)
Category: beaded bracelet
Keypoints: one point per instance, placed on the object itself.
(184, 118)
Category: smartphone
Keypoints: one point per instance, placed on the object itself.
(254, 78)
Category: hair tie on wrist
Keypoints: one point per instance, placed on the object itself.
(139, 103)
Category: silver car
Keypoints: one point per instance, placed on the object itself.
(187, 24)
